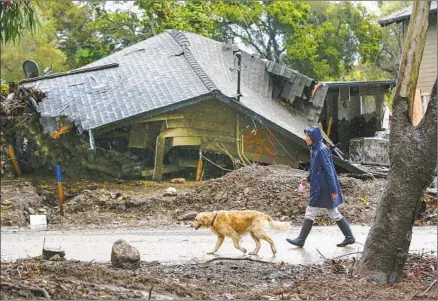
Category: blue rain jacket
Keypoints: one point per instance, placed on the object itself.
(322, 174)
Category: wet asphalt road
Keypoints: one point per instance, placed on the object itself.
(183, 244)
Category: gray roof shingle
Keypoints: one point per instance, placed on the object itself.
(403, 14)
(162, 71)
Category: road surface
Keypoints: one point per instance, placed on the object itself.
(183, 244)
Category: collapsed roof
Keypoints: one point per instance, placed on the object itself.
(176, 69)
(171, 70)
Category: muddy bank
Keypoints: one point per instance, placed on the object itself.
(221, 279)
(18, 199)
(270, 189)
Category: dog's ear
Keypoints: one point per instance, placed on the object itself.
(203, 219)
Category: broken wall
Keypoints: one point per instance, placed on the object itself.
(355, 112)
(219, 129)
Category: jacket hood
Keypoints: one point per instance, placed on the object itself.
(314, 134)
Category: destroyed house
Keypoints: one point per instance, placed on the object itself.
(355, 110)
(188, 100)
(428, 67)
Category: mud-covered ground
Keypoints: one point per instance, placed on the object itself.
(270, 189)
(221, 279)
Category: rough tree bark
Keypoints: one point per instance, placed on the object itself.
(413, 157)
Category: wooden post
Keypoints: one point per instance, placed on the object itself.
(60, 189)
(14, 161)
(329, 127)
(199, 166)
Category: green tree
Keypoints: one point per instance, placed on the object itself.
(70, 21)
(320, 39)
(193, 16)
(391, 46)
(40, 47)
(88, 31)
(16, 17)
(339, 36)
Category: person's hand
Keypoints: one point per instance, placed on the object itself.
(334, 196)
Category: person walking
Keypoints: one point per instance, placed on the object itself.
(325, 191)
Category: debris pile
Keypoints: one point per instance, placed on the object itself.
(274, 190)
(270, 189)
(19, 199)
(34, 278)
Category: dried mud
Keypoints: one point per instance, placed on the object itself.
(222, 279)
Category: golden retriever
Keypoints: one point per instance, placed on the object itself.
(236, 223)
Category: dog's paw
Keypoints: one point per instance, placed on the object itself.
(211, 253)
(252, 253)
(244, 250)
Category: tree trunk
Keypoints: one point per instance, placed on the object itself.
(413, 157)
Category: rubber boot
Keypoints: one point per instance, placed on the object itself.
(346, 230)
(305, 230)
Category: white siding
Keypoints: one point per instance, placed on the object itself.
(428, 67)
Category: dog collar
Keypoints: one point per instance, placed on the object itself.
(214, 219)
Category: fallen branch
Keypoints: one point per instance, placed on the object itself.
(42, 291)
(357, 252)
(429, 287)
(233, 258)
(425, 292)
(325, 258)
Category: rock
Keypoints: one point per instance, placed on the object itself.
(115, 195)
(284, 218)
(50, 253)
(31, 210)
(42, 210)
(56, 258)
(124, 255)
(188, 216)
(171, 191)
(246, 191)
(6, 202)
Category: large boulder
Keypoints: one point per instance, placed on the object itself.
(124, 255)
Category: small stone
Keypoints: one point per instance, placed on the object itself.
(115, 195)
(6, 202)
(171, 191)
(50, 253)
(55, 258)
(124, 255)
(246, 191)
(188, 216)
(31, 210)
(284, 218)
(42, 210)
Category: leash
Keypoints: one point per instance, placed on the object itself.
(214, 219)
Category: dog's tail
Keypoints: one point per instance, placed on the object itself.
(278, 226)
